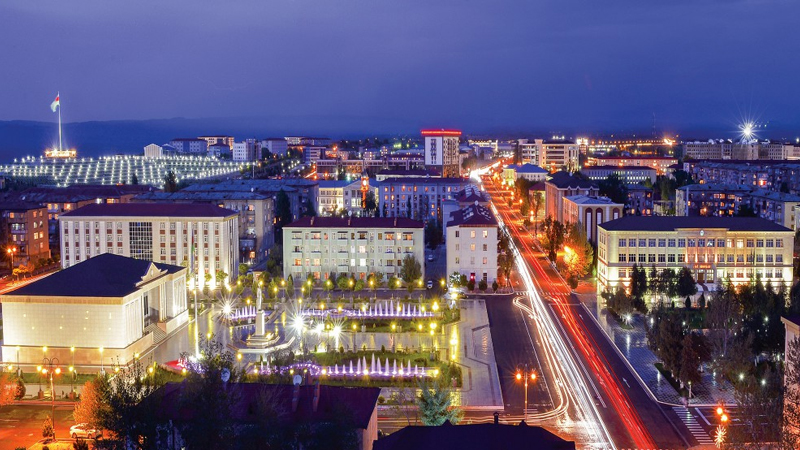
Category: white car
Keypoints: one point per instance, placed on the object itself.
(430, 284)
(430, 257)
(83, 430)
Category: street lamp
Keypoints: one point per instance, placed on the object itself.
(526, 375)
(11, 251)
(102, 370)
(51, 368)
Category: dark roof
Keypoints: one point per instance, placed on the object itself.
(77, 193)
(539, 186)
(471, 194)
(637, 157)
(19, 205)
(558, 141)
(472, 215)
(410, 172)
(565, 180)
(355, 222)
(150, 210)
(333, 402)
(486, 436)
(106, 275)
(670, 223)
(612, 167)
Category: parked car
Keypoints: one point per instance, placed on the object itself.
(83, 430)
(430, 284)
(430, 257)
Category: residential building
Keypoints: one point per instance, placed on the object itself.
(306, 141)
(660, 163)
(220, 150)
(626, 174)
(473, 436)
(472, 236)
(441, 151)
(221, 139)
(530, 172)
(313, 153)
(338, 195)
(24, 235)
(275, 146)
(550, 154)
(405, 173)
(728, 149)
(103, 310)
(302, 407)
(778, 207)
(153, 151)
(256, 212)
(713, 248)
(776, 176)
(247, 150)
(709, 199)
(204, 237)
(471, 195)
(417, 198)
(640, 201)
(589, 212)
(564, 184)
(356, 246)
(190, 146)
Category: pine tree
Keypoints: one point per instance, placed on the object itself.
(435, 405)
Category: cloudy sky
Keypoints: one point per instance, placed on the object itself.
(488, 64)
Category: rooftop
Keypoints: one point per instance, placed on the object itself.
(715, 187)
(526, 168)
(565, 180)
(586, 200)
(355, 222)
(471, 194)
(661, 158)
(671, 223)
(472, 215)
(19, 205)
(486, 436)
(150, 210)
(106, 275)
(612, 167)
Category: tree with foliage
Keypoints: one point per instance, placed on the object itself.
(746, 210)
(578, 259)
(613, 188)
(665, 338)
(639, 284)
(436, 406)
(170, 182)
(495, 286)
(47, 428)
(618, 301)
(554, 232)
(93, 404)
(505, 263)
(791, 399)
(370, 205)
(411, 271)
(537, 202)
(290, 286)
(8, 389)
(724, 316)
(471, 285)
(309, 210)
(394, 283)
(695, 351)
(134, 180)
(433, 234)
(283, 214)
(221, 276)
(482, 285)
(765, 415)
(343, 282)
(358, 286)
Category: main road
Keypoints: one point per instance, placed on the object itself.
(606, 392)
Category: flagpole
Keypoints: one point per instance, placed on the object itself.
(58, 96)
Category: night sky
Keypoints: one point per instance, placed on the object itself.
(487, 64)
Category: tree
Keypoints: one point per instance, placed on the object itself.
(290, 286)
(746, 210)
(762, 408)
(358, 286)
(471, 285)
(309, 210)
(369, 204)
(686, 286)
(436, 405)
(283, 214)
(695, 351)
(537, 201)
(394, 283)
(724, 315)
(93, 405)
(343, 282)
(221, 276)
(579, 252)
(134, 180)
(495, 286)
(47, 428)
(613, 188)
(8, 389)
(639, 283)
(482, 285)
(553, 237)
(411, 270)
(505, 262)
(170, 182)
(791, 401)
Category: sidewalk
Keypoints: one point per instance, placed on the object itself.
(633, 346)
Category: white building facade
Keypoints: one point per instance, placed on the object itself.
(203, 237)
(472, 235)
(441, 151)
(246, 150)
(590, 212)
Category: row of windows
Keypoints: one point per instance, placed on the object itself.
(706, 258)
(162, 225)
(472, 247)
(735, 273)
(485, 260)
(701, 242)
(344, 262)
(473, 233)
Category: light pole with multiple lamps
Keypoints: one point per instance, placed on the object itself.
(50, 368)
(525, 375)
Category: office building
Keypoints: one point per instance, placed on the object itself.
(357, 246)
(203, 237)
(564, 184)
(441, 151)
(275, 146)
(24, 235)
(190, 146)
(246, 151)
(713, 248)
(550, 154)
(626, 174)
(220, 139)
(660, 163)
(417, 198)
(472, 235)
(589, 212)
(728, 149)
(104, 310)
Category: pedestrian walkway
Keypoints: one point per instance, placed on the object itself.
(632, 343)
(688, 419)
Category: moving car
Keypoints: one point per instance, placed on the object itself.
(83, 430)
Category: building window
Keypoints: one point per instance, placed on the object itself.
(642, 242)
(651, 257)
(622, 242)
(671, 258)
(662, 242)
(720, 242)
(749, 243)
(779, 258)
(141, 240)
(759, 243)
(622, 257)
(681, 243)
(632, 242)
(691, 242)
(770, 243)
(642, 258)
(661, 258)
(681, 258)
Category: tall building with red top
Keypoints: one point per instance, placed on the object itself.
(441, 151)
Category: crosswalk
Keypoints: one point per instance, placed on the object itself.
(693, 425)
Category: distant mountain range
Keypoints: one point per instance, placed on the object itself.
(30, 138)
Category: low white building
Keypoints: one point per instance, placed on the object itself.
(472, 235)
(203, 237)
(276, 146)
(247, 150)
(354, 246)
(103, 310)
(153, 151)
(590, 212)
(530, 172)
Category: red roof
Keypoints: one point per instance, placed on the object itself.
(441, 132)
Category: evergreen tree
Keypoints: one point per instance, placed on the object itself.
(436, 405)
(170, 182)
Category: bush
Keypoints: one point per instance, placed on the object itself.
(471, 285)
(381, 400)
(495, 286)
(20, 389)
(482, 285)
(383, 349)
(47, 428)
(80, 444)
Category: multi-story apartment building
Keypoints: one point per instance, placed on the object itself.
(441, 151)
(726, 199)
(589, 212)
(551, 154)
(778, 207)
(661, 164)
(417, 198)
(275, 146)
(247, 150)
(564, 184)
(713, 248)
(728, 149)
(256, 215)
(472, 235)
(640, 201)
(338, 195)
(211, 140)
(202, 237)
(24, 236)
(626, 174)
(189, 146)
(357, 246)
(219, 150)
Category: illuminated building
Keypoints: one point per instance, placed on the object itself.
(590, 212)
(246, 151)
(660, 163)
(336, 195)
(530, 172)
(726, 200)
(550, 154)
(24, 232)
(108, 309)
(713, 248)
(153, 151)
(221, 139)
(626, 174)
(563, 184)
(275, 146)
(417, 198)
(190, 146)
(472, 235)
(441, 151)
(354, 246)
(205, 237)
(735, 150)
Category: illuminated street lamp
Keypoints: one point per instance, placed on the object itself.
(50, 368)
(11, 251)
(102, 371)
(524, 376)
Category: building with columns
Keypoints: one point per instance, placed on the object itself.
(203, 237)
(103, 310)
(590, 212)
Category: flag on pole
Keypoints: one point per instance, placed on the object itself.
(56, 103)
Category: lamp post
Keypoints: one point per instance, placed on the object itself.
(102, 368)
(523, 376)
(11, 251)
(72, 370)
(50, 368)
